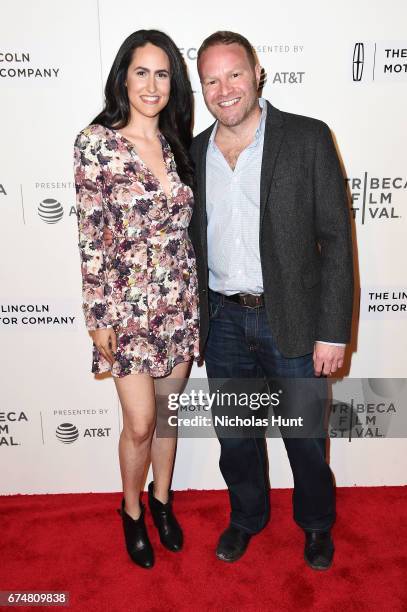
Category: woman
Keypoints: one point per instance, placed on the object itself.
(133, 174)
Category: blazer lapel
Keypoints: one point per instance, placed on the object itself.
(273, 137)
(201, 164)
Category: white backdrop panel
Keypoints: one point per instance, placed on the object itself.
(64, 53)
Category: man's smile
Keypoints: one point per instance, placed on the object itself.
(227, 103)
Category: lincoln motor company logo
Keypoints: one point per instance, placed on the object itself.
(382, 60)
(18, 64)
(358, 61)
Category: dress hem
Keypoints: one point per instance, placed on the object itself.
(195, 357)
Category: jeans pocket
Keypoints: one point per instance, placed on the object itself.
(214, 309)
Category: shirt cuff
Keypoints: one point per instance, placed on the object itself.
(331, 343)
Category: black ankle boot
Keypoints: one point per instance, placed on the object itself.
(137, 542)
(168, 528)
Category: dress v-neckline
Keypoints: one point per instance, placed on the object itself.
(143, 163)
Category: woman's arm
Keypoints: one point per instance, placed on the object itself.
(89, 201)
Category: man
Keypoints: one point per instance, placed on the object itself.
(271, 233)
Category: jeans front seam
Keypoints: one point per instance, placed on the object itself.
(266, 505)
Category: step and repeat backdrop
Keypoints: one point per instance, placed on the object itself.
(345, 64)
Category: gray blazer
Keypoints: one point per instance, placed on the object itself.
(304, 234)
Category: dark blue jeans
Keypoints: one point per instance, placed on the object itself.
(240, 345)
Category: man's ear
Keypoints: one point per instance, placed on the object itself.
(257, 70)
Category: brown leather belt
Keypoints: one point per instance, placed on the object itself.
(246, 299)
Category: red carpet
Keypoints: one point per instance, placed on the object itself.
(74, 543)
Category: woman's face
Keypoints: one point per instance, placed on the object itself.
(148, 81)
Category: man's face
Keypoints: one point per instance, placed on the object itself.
(229, 83)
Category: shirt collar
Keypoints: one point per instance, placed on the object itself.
(259, 133)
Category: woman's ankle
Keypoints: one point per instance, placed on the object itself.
(160, 493)
(133, 510)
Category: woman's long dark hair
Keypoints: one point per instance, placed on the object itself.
(175, 121)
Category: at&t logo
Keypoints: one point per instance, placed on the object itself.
(50, 211)
(68, 433)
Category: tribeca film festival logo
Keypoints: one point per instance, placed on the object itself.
(360, 420)
(370, 408)
(7, 438)
(67, 433)
(18, 65)
(374, 198)
(379, 61)
(33, 316)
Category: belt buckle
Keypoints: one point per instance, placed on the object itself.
(244, 299)
(250, 301)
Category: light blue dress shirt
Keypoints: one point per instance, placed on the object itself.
(233, 212)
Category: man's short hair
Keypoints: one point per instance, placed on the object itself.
(223, 37)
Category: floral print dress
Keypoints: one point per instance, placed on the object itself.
(144, 285)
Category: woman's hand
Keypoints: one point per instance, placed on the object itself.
(106, 343)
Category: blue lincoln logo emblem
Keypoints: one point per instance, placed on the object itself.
(358, 61)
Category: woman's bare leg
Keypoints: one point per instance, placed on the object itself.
(137, 398)
(163, 449)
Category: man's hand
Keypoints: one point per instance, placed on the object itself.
(327, 358)
(106, 343)
(107, 236)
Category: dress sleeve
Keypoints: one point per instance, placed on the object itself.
(89, 201)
